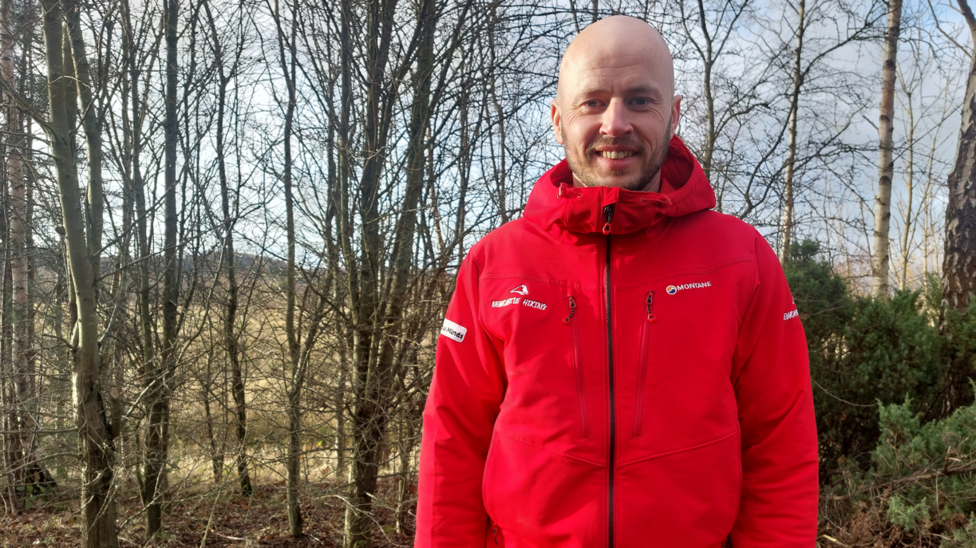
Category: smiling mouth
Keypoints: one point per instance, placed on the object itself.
(615, 154)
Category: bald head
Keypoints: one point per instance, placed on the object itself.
(615, 109)
(612, 40)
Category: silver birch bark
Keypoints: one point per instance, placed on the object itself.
(886, 164)
(959, 260)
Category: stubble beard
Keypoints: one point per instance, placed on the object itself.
(584, 173)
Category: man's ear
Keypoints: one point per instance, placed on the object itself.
(556, 120)
(675, 114)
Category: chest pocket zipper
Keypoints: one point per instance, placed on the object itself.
(573, 322)
(642, 359)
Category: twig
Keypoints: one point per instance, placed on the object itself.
(835, 541)
(230, 537)
(917, 476)
(26, 106)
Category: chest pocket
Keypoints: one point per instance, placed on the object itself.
(677, 358)
(551, 360)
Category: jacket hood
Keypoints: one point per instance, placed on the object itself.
(556, 205)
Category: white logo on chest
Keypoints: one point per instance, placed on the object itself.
(672, 289)
(520, 290)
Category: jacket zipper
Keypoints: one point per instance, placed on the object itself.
(578, 363)
(642, 366)
(608, 214)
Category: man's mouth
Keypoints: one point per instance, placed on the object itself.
(615, 154)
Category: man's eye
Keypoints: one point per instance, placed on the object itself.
(592, 104)
(640, 102)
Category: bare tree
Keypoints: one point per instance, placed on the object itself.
(229, 211)
(886, 162)
(159, 374)
(27, 472)
(97, 442)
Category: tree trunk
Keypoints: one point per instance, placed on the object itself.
(910, 217)
(158, 375)
(13, 439)
(216, 454)
(340, 408)
(501, 171)
(137, 189)
(29, 470)
(374, 358)
(368, 418)
(97, 446)
(790, 175)
(93, 134)
(708, 61)
(287, 47)
(231, 345)
(886, 163)
(959, 261)
(405, 442)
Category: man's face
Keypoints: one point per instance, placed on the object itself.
(615, 115)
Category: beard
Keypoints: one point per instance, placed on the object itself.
(584, 171)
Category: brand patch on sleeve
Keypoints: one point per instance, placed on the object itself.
(453, 331)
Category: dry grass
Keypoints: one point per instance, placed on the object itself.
(225, 518)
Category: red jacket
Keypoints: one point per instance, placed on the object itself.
(620, 369)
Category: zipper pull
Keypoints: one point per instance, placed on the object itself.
(572, 310)
(649, 301)
(608, 214)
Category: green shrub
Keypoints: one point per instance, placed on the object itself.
(930, 471)
(911, 456)
(959, 329)
(920, 489)
(893, 389)
(862, 351)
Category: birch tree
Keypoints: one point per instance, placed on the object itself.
(886, 162)
(959, 262)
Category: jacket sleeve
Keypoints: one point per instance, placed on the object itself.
(771, 376)
(463, 402)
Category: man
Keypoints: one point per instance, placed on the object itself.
(620, 367)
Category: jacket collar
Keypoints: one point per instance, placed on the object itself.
(555, 205)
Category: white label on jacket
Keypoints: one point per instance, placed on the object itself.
(506, 302)
(672, 289)
(453, 331)
(790, 315)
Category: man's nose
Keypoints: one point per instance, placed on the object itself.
(615, 120)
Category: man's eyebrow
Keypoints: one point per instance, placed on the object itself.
(649, 90)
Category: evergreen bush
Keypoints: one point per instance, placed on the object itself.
(862, 351)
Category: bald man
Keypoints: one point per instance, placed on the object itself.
(621, 366)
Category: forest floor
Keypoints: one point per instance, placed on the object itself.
(227, 519)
